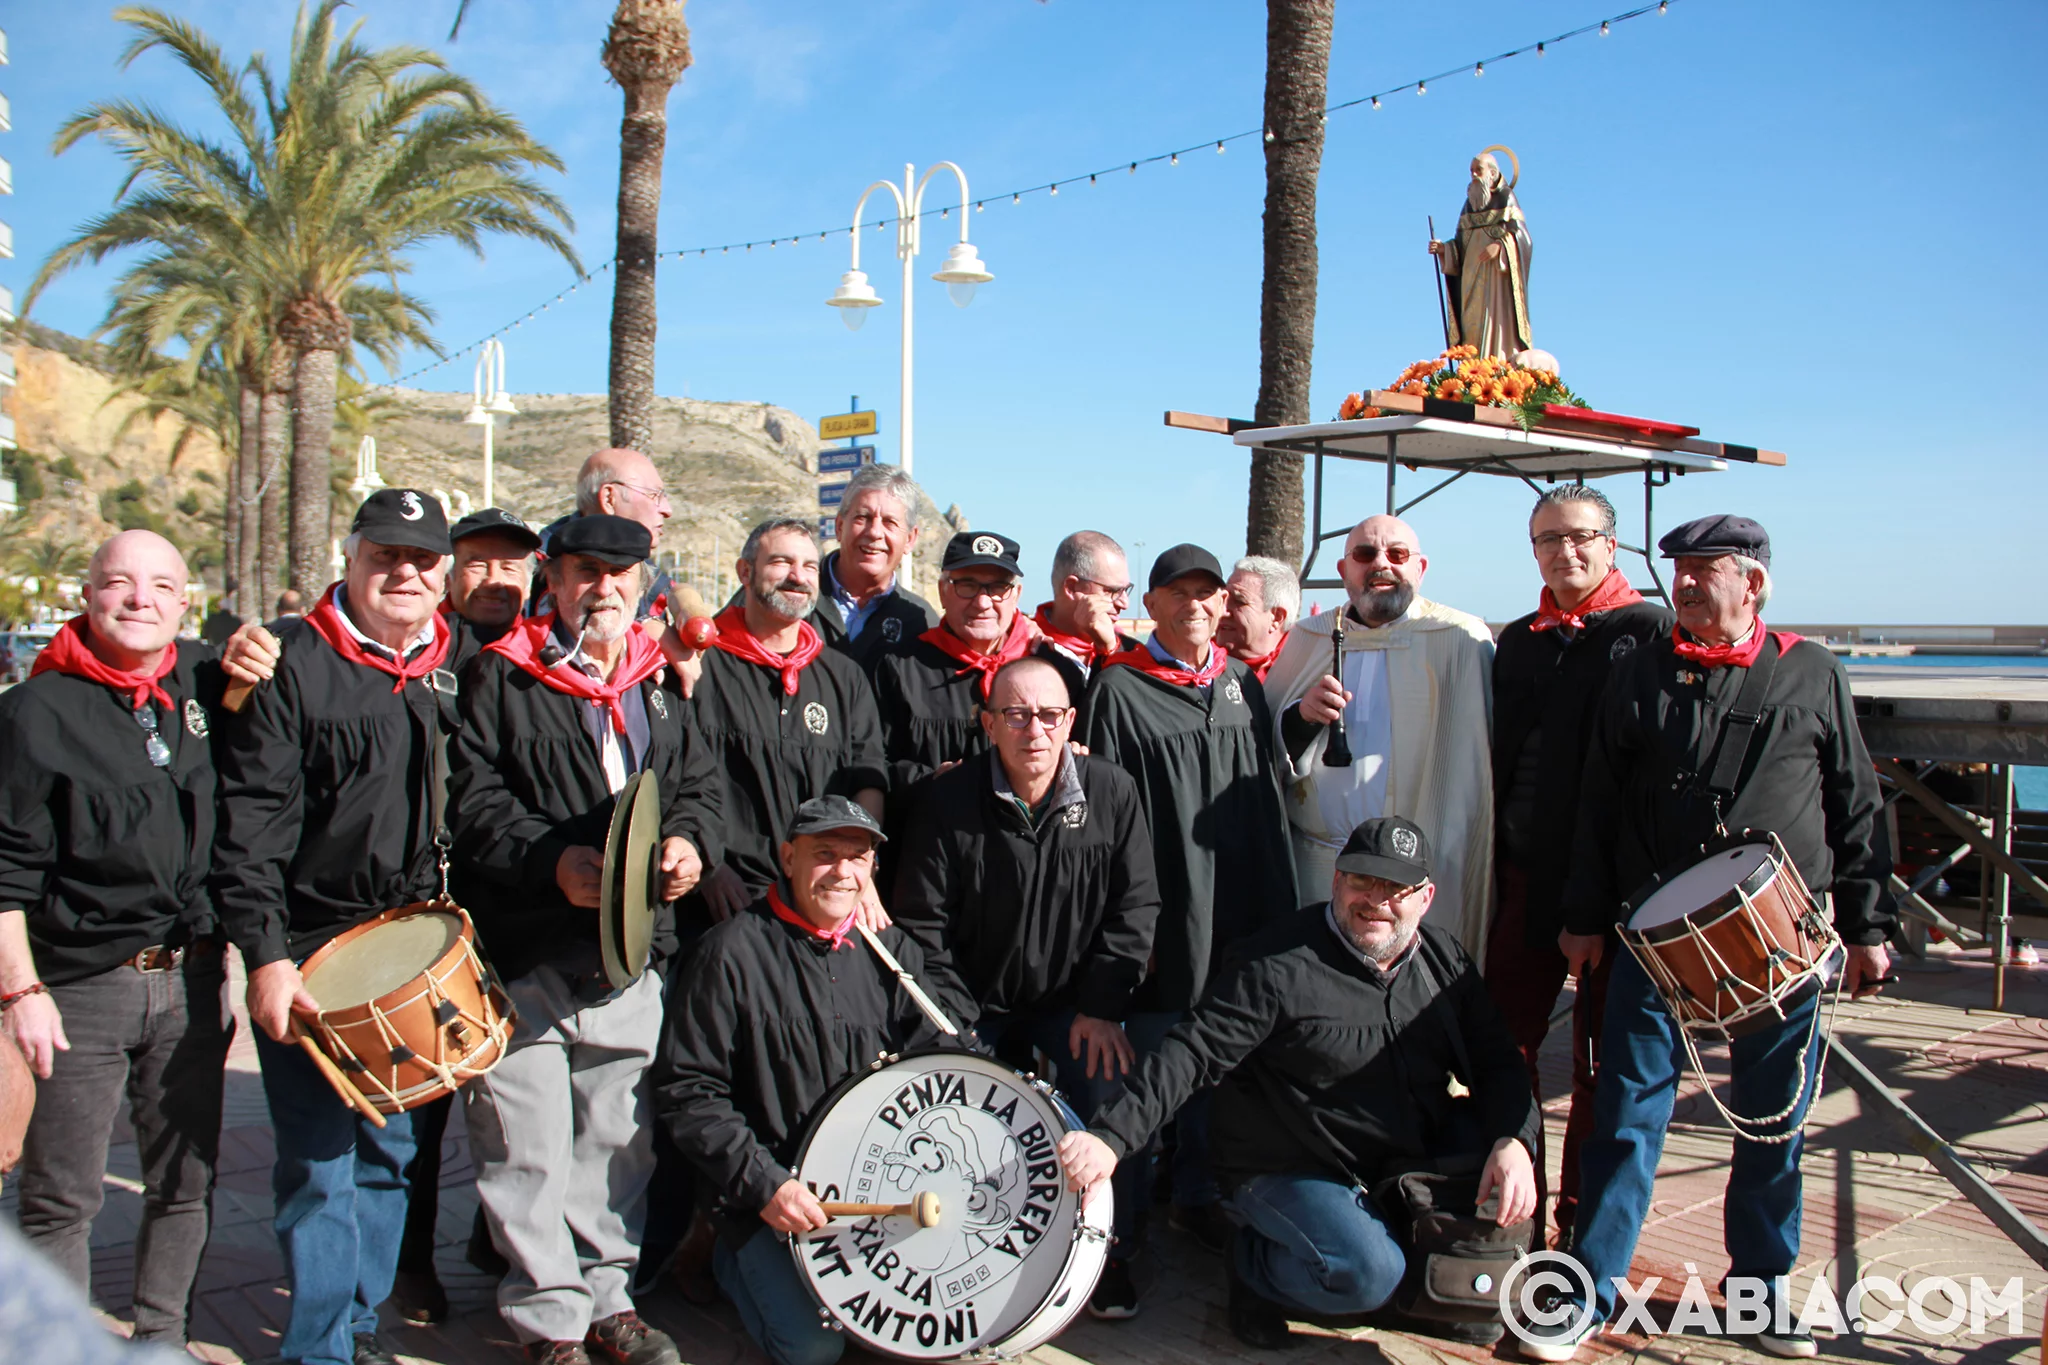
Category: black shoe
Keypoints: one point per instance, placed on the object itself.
(625, 1339)
(1115, 1297)
(369, 1352)
(419, 1297)
(482, 1252)
(1206, 1223)
(1257, 1322)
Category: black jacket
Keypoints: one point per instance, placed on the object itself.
(901, 615)
(1077, 678)
(1808, 779)
(1546, 692)
(930, 710)
(325, 817)
(778, 751)
(107, 853)
(1323, 1067)
(1207, 781)
(764, 1021)
(1016, 920)
(525, 784)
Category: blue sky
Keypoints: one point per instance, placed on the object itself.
(1806, 227)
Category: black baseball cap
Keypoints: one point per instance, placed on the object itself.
(1179, 562)
(981, 550)
(1388, 847)
(1719, 535)
(403, 516)
(498, 521)
(823, 814)
(619, 541)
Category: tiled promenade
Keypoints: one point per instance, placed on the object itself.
(1872, 1207)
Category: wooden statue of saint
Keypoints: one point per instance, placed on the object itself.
(1486, 266)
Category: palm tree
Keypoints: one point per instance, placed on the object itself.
(1297, 82)
(46, 557)
(646, 51)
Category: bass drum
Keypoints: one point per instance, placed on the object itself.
(1013, 1255)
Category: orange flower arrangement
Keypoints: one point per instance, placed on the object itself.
(1461, 375)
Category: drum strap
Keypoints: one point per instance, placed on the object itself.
(1738, 730)
(910, 986)
(443, 685)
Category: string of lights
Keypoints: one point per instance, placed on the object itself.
(1051, 188)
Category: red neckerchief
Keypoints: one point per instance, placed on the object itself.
(523, 643)
(1015, 646)
(1144, 661)
(1613, 591)
(836, 936)
(737, 640)
(1080, 646)
(1263, 665)
(1741, 656)
(326, 619)
(68, 652)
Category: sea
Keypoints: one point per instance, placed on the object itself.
(2030, 785)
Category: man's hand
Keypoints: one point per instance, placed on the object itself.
(1106, 1045)
(793, 1209)
(687, 662)
(1087, 1159)
(1862, 972)
(38, 1029)
(1436, 248)
(250, 655)
(946, 767)
(1100, 627)
(17, 1101)
(681, 867)
(275, 990)
(724, 894)
(1582, 951)
(578, 872)
(1509, 1170)
(1324, 701)
(871, 916)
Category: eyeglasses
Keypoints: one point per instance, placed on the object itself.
(969, 589)
(1122, 594)
(1550, 541)
(657, 496)
(1393, 554)
(158, 751)
(1020, 717)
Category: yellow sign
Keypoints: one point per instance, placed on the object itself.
(847, 424)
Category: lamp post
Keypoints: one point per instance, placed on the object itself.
(962, 272)
(367, 480)
(491, 402)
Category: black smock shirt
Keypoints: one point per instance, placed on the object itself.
(900, 615)
(930, 709)
(106, 853)
(467, 640)
(1807, 779)
(1203, 761)
(526, 783)
(764, 1021)
(1326, 1066)
(777, 751)
(325, 814)
(1547, 686)
(1019, 914)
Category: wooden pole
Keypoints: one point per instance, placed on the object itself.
(343, 1086)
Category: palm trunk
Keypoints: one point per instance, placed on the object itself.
(244, 518)
(1297, 80)
(642, 137)
(274, 447)
(313, 468)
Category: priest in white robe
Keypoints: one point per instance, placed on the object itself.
(1416, 704)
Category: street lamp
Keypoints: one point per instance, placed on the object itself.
(961, 273)
(491, 402)
(367, 480)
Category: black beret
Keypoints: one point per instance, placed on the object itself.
(618, 541)
(1718, 535)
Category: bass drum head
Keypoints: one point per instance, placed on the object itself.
(1701, 885)
(385, 957)
(985, 1141)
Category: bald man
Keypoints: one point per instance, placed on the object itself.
(1415, 702)
(111, 972)
(616, 482)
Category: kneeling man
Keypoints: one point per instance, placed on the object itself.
(1346, 1042)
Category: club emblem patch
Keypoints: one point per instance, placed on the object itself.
(195, 718)
(1623, 646)
(892, 630)
(1688, 678)
(1231, 691)
(1404, 842)
(1075, 816)
(815, 719)
(987, 545)
(409, 505)
(659, 703)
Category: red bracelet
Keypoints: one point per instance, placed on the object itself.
(32, 988)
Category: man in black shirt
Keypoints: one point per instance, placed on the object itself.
(1550, 670)
(111, 971)
(773, 1009)
(494, 552)
(1347, 1042)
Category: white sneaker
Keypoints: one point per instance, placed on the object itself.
(1789, 1345)
(1559, 1343)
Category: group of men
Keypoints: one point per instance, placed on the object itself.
(1137, 858)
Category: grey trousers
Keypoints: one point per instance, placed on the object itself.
(560, 1134)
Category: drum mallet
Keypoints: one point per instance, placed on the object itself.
(343, 1086)
(924, 1208)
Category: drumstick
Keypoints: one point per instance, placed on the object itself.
(236, 696)
(924, 1208)
(343, 1086)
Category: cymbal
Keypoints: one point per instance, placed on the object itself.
(626, 905)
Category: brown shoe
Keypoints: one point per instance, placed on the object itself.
(626, 1340)
(691, 1266)
(557, 1353)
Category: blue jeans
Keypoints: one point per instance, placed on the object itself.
(1641, 1060)
(339, 1185)
(1193, 1184)
(780, 1313)
(1315, 1245)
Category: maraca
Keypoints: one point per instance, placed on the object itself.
(699, 631)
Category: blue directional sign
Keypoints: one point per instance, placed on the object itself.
(844, 459)
(827, 528)
(830, 494)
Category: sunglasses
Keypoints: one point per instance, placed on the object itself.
(158, 751)
(1393, 554)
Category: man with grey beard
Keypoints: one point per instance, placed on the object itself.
(1415, 705)
(787, 718)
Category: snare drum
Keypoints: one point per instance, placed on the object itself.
(408, 1010)
(1013, 1255)
(1729, 940)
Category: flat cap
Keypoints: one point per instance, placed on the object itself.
(981, 550)
(618, 541)
(823, 814)
(499, 522)
(1180, 561)
(1388, 847)
(1718, 535)
(403, 516)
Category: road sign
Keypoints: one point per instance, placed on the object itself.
(830, 494)
(847, 424)
(844, 459)
(827, 528)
